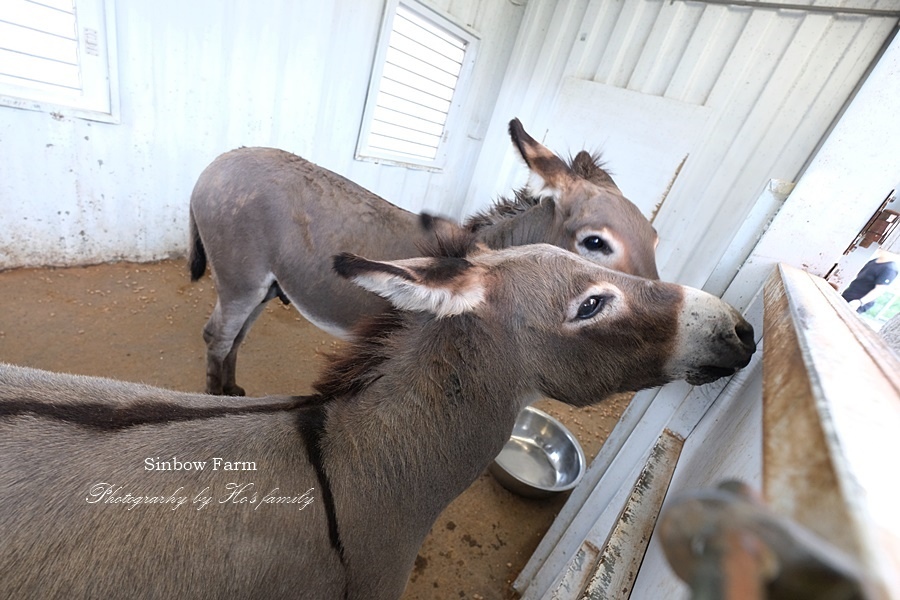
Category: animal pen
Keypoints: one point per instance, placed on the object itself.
(756, 139)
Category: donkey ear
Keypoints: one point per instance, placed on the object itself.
(589, 166)
(542, 162)
(441, 286)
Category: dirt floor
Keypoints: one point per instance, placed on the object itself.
(142, 322)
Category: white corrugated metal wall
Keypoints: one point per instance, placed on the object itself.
(199, 78)
(770, 81)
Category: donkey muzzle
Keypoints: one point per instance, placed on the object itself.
(714, 340)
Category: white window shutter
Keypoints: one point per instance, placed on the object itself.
(56, 54)
(422, 59)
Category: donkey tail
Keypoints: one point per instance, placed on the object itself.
(196, 251)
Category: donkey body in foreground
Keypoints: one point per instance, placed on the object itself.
(269, 222)
(96, 500)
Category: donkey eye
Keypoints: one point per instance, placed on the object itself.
(595, 243)
(590, 307)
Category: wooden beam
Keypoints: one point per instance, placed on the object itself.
(620, 560)
(831, 420)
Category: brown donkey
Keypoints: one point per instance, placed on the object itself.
(118, 490)
(269, 222)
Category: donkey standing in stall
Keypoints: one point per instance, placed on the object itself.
(269, 222)
(118, 490)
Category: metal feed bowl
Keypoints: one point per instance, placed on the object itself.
(540, 459)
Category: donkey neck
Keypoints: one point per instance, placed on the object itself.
(437, 409)
(442, 406)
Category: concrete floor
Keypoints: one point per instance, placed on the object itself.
(142, 322)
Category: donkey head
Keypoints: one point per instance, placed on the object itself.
(597, 221)
(558, 325)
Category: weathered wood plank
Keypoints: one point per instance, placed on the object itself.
(621, 558)
(831, 405)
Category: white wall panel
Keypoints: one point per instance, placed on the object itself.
(776, 98)
(543, 46)
(633, 130)
(202, 77)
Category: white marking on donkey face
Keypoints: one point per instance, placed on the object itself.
(704, 337)
(600, 301)
(599, 245)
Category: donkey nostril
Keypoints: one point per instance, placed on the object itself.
(744, 331)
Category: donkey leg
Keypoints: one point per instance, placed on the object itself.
(229, 370)
(214, 336)
(221, 373)
(228, 320)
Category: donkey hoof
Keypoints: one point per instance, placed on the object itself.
(234, 390)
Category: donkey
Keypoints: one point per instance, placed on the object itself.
(111, 490)
(269, 221)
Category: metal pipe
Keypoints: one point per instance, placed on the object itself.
(868, 12)
(725, 543)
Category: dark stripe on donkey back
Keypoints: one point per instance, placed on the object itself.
(111, 418)
(311, 424)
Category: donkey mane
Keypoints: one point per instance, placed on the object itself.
(353, 368)
(458, 244)
(587, 165)
(504, 208)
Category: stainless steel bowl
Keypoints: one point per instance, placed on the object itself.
(541, 457)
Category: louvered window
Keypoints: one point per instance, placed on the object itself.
(54, 56)
(419, 73)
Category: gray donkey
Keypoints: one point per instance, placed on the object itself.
(269, 221)
(119, 490)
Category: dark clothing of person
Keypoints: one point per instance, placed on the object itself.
(872, 274)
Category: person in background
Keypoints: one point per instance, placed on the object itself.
(871, 281)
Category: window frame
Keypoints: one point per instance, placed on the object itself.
(99, 98)
(441, 20)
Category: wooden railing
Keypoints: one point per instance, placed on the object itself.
(829, 526)
(831, 425)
